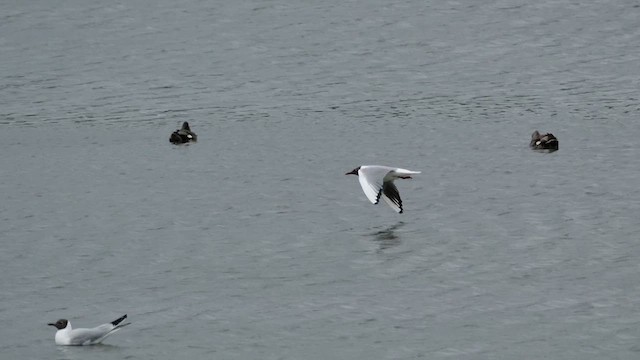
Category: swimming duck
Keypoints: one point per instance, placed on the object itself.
(184, 135)
(543, 142)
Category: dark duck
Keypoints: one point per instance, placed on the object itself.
(183, 135)
(543, 141)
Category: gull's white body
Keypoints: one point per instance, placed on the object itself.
(83, 336)
(377, 182)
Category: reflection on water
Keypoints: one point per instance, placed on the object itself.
(387, 238)
(80, 352)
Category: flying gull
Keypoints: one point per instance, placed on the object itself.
(377, 182)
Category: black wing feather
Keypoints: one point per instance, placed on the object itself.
(378, 197)
(391, 191)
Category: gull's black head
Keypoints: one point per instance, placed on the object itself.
(354, 171)
(60, 324)
(185, 126)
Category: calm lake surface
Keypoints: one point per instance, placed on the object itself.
(252, 244)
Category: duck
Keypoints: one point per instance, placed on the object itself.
(183, 135)
(543, 141)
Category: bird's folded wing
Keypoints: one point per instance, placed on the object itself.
(86, 336)
(101, 332)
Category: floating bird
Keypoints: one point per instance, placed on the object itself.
(377, 182)
(66, 335)
(543, 142)
(183, 135)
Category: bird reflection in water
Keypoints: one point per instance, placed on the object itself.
(387, 238)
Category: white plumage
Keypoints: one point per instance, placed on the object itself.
(377, 182)
(67, 335)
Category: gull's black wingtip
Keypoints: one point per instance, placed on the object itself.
(118, 320)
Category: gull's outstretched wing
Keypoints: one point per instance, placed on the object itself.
(371, 179)
(391, 196)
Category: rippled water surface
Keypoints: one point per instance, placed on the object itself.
(252, 244)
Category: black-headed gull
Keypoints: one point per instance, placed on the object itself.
(377, 182)
(66, 335)
(183, 135)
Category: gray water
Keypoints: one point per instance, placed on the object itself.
(252, 244)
